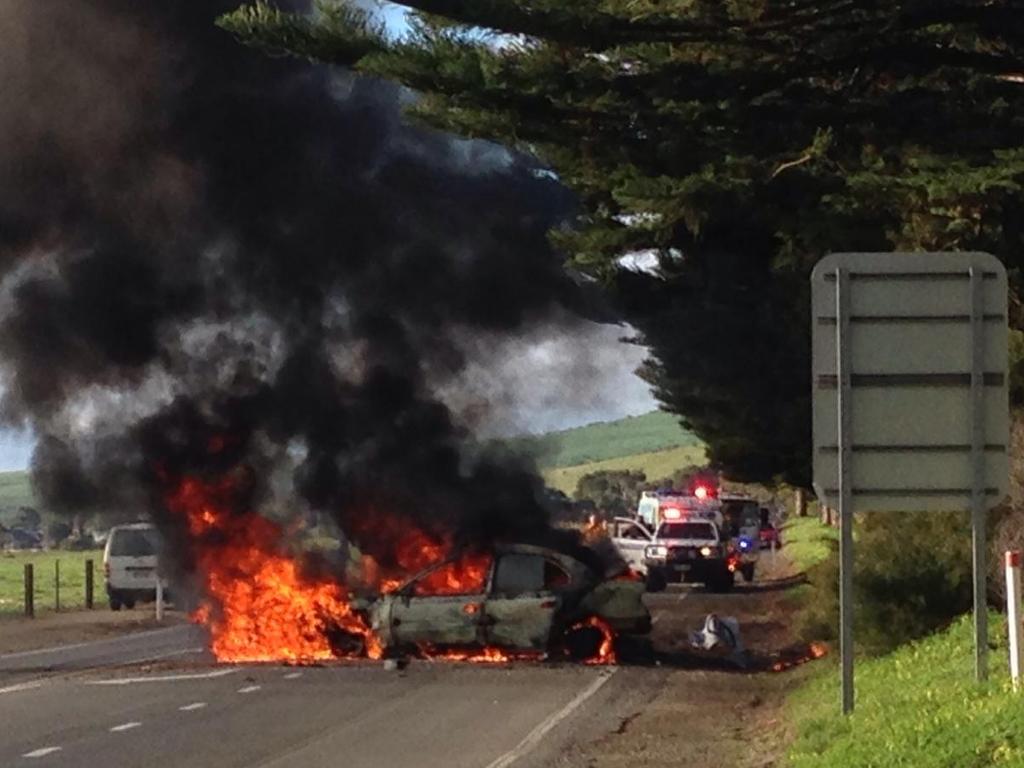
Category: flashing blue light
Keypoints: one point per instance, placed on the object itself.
(744, 544)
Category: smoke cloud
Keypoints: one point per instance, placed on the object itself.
(220, 264)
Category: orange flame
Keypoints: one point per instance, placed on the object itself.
(815, 650)
(606, 651)
(261, 606)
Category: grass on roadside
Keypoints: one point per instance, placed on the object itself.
(918, 706)
(72, 579)
(807, 542)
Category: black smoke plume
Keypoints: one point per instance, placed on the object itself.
(216, 263)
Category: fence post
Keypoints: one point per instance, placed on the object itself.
(1013, 615)
(88, 585)
(56, 585)
(30, 591)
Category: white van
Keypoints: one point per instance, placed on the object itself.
(130, 564)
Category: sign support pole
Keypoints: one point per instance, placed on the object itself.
(978, 505)
(843, 391)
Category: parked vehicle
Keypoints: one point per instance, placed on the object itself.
(519, 597)
(688, 549)
(742, 515)
(130, 564)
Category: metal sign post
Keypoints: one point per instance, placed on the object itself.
(845, 504)
(911, 408)
(978, 509)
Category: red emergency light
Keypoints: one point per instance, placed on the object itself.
(671, 513)
(701, 492)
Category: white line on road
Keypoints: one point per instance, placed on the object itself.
(249, 689)
(131, 636)
(193, 706)
(21, 687)
(163, 678)
(42, 752)
(292, 675)
(533, 737)
(125, 727)
(169, 654)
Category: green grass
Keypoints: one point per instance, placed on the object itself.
(806, 541)
(655, 431)
(655, 465)
(72, 579)
(917, 707)
(15, 492)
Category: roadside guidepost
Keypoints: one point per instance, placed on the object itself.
(56, 585)
(30, 591)
(910, 402)
(88, 585)
(1013, 616)
(159, 599)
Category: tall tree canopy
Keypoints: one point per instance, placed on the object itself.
(737, 142)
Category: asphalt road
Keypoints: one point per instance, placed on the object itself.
(95, 704)
(152, 645)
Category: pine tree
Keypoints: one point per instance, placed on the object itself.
(738, 141)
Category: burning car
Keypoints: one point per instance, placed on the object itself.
(513, 601)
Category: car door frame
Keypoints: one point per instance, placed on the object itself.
(633, 551)
(541, 607)
(468, 608)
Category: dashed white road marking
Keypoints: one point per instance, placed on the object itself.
(21, 687)
(42, 752)
(249, 689)
(292, 675)
(533, 738)
(125, 727)
(163, 678)
(193, 706)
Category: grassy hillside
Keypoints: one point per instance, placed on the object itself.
(655, 431)
(918, 706)
(655, 465)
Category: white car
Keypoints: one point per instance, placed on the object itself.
(130, 564)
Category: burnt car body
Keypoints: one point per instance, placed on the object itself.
(527, 599)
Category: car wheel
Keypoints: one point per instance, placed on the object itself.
(748, 572)
(722, 582)
(115, 604)
(129, 603)
(581, 642)
(656, 581)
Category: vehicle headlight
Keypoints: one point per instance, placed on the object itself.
(656, 550)
(706, 551)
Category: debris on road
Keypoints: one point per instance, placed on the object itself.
(720, 638)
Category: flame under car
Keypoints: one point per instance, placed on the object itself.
(510, 602)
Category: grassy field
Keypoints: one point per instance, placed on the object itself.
(655, 465)
(15, 492)
(655, 431)
(918, 706)
(806, 541)
(72, 579)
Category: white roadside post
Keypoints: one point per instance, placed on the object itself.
(1013, 615)
(159, 599)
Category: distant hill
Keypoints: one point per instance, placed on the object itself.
(656, 465)
(655, 431)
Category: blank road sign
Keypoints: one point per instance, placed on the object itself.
(925, 356)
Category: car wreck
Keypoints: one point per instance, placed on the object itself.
(512, 601)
